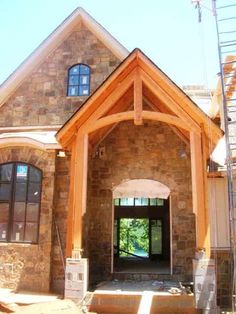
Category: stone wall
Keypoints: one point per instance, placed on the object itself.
(27, 266)
(152, 151)
(61, 195)
(224, 272)
(41, 98)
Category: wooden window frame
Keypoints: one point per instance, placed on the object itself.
(79, 76)
(12, 197)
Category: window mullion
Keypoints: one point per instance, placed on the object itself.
(11, 204)
(26, 198)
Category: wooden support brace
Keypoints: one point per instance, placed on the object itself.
(138, 99)
(78, 193)
(199, 192)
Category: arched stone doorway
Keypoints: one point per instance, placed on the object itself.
(141, 229)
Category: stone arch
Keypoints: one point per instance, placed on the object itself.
(22, 142)
(141, 188)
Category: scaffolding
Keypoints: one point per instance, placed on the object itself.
(225, 17)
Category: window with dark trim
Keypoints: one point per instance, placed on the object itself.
(78, 80)
(138, 201)
(20, 194)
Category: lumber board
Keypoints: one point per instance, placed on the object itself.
(138, 99)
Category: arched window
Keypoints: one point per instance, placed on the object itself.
(20, 194)
(78, 80)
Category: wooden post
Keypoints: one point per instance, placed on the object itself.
(199, 192)
(78, 193)
(138, 99)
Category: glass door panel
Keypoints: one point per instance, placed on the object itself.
(156, 237)
(134, 237)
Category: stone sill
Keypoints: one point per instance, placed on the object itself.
(9, 244)
(77, 97)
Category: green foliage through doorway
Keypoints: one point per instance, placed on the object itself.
(134, 236)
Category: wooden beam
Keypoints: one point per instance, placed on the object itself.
(174, 93)
(168, 101)
(205, 151)
(98, 136)
(80, 187)
(199, 192)
(129, 115)
(108, 103)
(97, 99)
(78, 192)
(138, 99)
(177, 131)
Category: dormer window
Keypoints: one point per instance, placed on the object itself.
(78, 80)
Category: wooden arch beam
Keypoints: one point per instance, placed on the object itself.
(130, 115)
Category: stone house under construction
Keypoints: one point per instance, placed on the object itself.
(90, 135)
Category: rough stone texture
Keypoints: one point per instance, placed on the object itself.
(224, 271)
(27, 266)
(41, 98)
(152, 151)
(62, 183)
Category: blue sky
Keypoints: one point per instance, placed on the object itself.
(167, 31)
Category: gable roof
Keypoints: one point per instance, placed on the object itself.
(52, 42)
(176, 102)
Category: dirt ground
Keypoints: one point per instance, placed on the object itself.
(60, 306)
(36, 303)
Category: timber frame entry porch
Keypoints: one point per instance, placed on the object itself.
(137, 84)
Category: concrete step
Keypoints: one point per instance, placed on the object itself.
(149, 276)
(146, 302)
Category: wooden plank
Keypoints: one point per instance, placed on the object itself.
(101, 110)
(178, 132)
(199, 193)
(99, 97)
(123, 104)
(169, 102)
(170, 88)
(183, 101)
(111, 100)
(129, 115)
(138, 99)
(205, 152)
(78, 193)
(80, 188)
(99, 135)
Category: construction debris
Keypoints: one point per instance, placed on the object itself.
(37, 303)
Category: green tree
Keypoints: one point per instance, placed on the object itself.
(134, 235)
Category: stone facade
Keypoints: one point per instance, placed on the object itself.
(224, 272)
(27, 266)
(61, 194)
(152, 151)
(41, 99)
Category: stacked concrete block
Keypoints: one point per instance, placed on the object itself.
(76, 278)
(205, 283)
